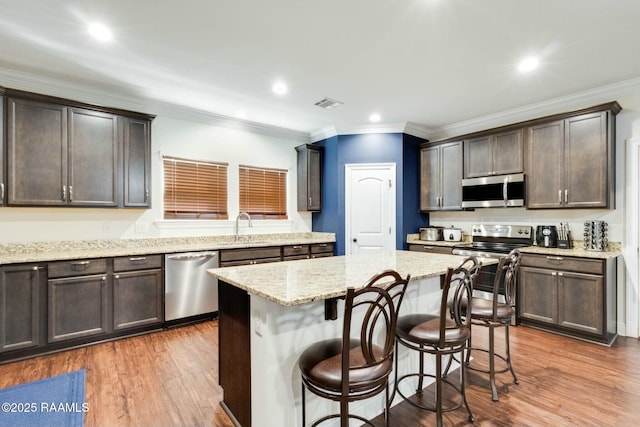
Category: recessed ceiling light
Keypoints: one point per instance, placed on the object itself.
(528, 64)
(374, 118)
(280, 88)
(100, 32)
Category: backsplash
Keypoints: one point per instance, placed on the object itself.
(521, 216)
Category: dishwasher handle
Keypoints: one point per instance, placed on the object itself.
(191, 256)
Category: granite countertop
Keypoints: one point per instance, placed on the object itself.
(292, 283)
(613, 251)
(13, 253)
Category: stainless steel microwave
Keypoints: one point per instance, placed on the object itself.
(493, 191)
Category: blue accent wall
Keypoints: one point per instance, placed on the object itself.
(398, 148)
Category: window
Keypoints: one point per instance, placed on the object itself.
(263, 192)
(194, 189)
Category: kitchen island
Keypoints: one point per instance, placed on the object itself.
(270, 313)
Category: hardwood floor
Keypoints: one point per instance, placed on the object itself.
(170, 378)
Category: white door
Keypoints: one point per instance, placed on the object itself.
(370, 208)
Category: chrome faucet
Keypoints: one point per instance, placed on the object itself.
(244, 214)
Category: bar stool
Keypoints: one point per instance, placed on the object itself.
(494, 314)
(356, 366)
(441, 335)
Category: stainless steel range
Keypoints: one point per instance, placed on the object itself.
(493, 241)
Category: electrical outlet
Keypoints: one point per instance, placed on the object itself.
(107, 228)
(142, 227)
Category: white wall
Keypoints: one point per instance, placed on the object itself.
(178, 138)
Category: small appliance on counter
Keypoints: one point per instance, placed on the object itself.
(595, 236)
(564, 237)
(452, 234)
(431, 234)
(547, 236)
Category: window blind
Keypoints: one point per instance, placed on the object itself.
(263, 192)
(194, 189)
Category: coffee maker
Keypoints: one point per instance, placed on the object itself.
(547, 236)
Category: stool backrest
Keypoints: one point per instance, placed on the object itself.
(456, 299)
(507, 274)
(379, 302)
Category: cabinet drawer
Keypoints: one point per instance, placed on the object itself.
(320, 248)
(431, 249)
(141, 262)
(295, 250)
(77, 268)
(249, 254)
(553, 262)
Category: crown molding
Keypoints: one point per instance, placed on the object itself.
(101, 96)
(549, 107)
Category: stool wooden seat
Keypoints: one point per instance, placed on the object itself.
(357, 365)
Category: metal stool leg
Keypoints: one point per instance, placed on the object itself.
(492, 363)
(508, 354)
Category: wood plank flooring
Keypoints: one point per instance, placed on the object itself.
(170, 378)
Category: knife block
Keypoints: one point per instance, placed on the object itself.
(566, 243)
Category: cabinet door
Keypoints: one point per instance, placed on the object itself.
(538, 295)
(586, 167)
(137, 299)
(478, 157)
(137, 163)
(3, 181)
(581, 302)
(36, 153)
(314, 180)
(79, 307)
(93, 158)
(22, 306)
(309, 163)
(545, 157)
(451, 176)
(430, 186)
(508, 152)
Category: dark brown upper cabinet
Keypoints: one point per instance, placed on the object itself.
(63, 153)
(137, 163)
(570, 162)
(497, 154)
(3, 178)
(441, 177)
(309, 177)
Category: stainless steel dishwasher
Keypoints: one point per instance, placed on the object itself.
(189, 290)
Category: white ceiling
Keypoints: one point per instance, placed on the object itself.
(427, 63)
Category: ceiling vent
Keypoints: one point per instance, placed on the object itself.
(328, 103)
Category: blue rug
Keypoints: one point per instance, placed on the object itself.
(56, 401)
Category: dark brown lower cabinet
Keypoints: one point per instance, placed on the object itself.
(80, 299)
(138, 295)
(572, 296)
(79, 307)
(23, 299)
